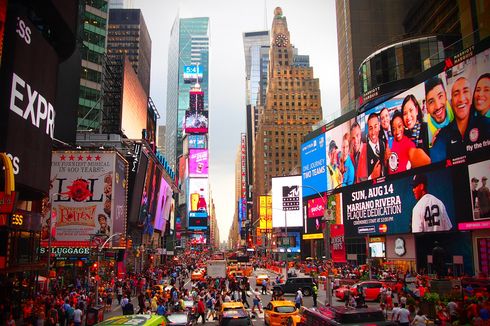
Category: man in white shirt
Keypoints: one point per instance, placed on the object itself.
(403, 316)
(429, 214)
(77, 316)
(394, 312)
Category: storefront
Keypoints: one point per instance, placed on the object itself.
(400, 252)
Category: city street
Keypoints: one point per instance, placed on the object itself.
(258, 318)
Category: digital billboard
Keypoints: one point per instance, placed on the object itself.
(478, 174)
(316, 210)
(134, 104)
(287, 202)
(198, 220)
(27, 100)
(337, 243)
(419, 203)
(149, 198)
(196, 122)
(120, 195)
(163, 206)
(313, 165)
(138, 165)
(197, 141)
(88, 196)
(198, 163)
(197, 194)
(198, 239)
(192, 74)
(289, 243)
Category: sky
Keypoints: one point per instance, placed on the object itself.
(312, 28)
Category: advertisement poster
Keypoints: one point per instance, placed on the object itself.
(137, 172)
(192, 74)
(198, 221)
(418, 204)
(340, 164)
(120, 208)
(197, 141)
(480, 193)
(85, 196)
(149, 199)
(164, 204)
(291, 243)
(198, 239)
(313, 166)
(196, 122)
(198, 163)
(287, 202)
(198, 195)
(337, 243)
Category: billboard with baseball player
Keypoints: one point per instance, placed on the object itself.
(417, 203)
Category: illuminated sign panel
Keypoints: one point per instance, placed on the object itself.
(287, 204)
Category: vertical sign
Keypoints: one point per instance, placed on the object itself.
(243, 179)
(337, 243)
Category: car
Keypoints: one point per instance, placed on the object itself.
(278, 312)
(235, 318)
(229, 306)
(235, 274)
(178, 319)
(371, 290)
(197, 275)
(133, 320)
(293, 284)
(260, 278)
(343, 316)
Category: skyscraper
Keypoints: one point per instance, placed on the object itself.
(128, 35)
(361, 27)
(161, 139)
(189, 45)
(292, 106)
(94, 33)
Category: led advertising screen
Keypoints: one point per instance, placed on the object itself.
(198, 163)
(287, 203)
(27, 101)
(134, 104)
(289, 243)
(163, 206)
(198, 239)
(192, 74)
(198, 220)
(313, 163)
(337, 243)
(120, 209)
(87, 197)
(315, 210)
(340, 160)
(418, 203)
(377, 249)
(137, 172)
(197, 141)
(480, 194)
(196, 122)
(149, 198)
(198, 194)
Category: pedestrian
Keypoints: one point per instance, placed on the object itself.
(201, 310)
(298, 299)
(256, 301)
(347, 295)
(394, 312)
(420, 319)
(141, 302)
(403, 316)
(244, 297)
(77, 316)
(315, 294)
(264, 286)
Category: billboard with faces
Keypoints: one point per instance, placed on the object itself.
(88, 196)
(149, 198)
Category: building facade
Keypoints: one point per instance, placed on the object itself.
(161, 139)
(292, 106)
(128, 36)
(188, 46)
(93, 50)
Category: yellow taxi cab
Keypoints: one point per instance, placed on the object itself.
(280, 312)
(260, 278)
(198, 275)
(235, 274)
(227, 306)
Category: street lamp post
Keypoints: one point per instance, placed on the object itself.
(99, 251)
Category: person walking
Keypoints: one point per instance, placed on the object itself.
(298, 299)
(403, 316)
(201, 310)
(256, 301)
(244, 297)
(315, 294)
(77, 316)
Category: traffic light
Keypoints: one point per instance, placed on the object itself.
(95, 265)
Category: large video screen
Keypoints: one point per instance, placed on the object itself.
(444, 119)
(134, 104)
(419, 203)
(287, 203)
(198, 163)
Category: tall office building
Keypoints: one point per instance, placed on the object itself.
(189, 45)
(120, 4)
(128, 36)
(161, 143)
(94, 33)
(292, 106)
(362, 26)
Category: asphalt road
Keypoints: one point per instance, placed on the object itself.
(258, 318)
